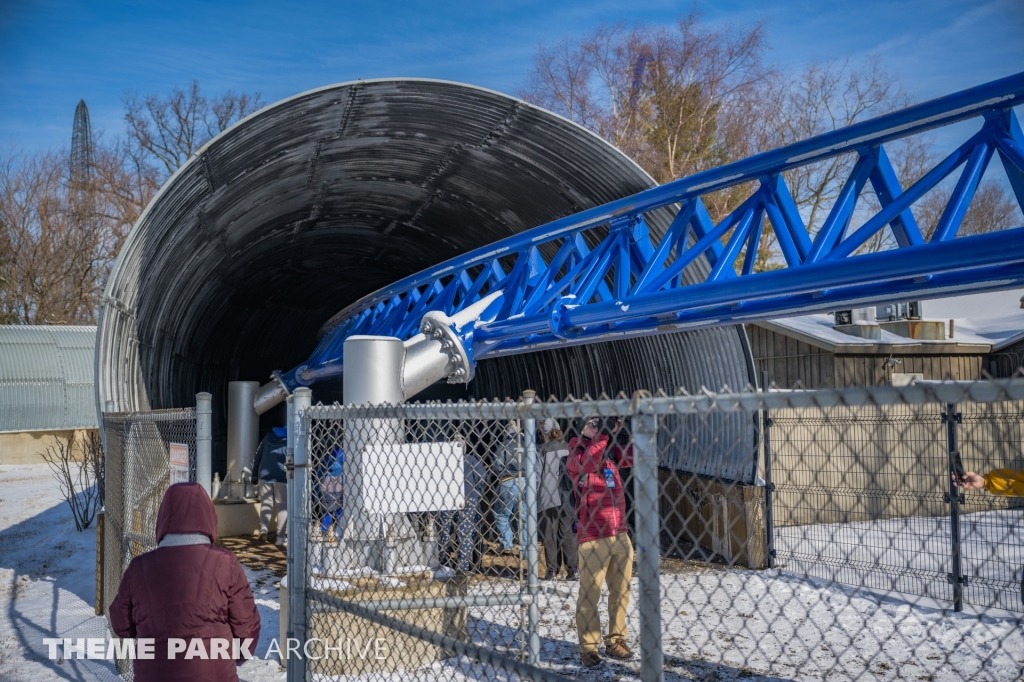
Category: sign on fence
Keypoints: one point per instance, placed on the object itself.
(178, 462)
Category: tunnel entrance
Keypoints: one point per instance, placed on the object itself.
(317, 200)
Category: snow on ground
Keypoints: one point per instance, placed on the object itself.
(915, 552)
(47, 579)
(717, 624)
(47, 586)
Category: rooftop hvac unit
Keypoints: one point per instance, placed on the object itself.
(904, 310)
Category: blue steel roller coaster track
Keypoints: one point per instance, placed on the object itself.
(602, 274)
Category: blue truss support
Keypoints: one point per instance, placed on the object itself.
(630, 281)
(1011, 151)
(887, 189)
(753, 243)
(838, 221)
(963, 193)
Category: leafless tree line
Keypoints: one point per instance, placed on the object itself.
(682, 99)
(677, 99)
(59, 238)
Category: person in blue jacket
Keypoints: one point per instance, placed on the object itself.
(268, 467)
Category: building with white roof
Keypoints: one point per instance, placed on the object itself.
(978, 334)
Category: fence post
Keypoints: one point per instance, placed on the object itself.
(648, 540)
(204, 440)
(532, 553)
(769, 487)
(954, 498)
(297, 526)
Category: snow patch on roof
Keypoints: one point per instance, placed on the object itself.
(994, 319)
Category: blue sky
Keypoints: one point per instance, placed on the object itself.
(53, 53)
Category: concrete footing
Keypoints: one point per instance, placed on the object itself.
(360, 647)
(237, 517)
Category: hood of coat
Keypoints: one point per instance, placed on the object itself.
(186, 508)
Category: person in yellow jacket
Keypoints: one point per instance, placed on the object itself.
(1009, 482)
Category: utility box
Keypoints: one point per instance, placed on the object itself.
(925, 330)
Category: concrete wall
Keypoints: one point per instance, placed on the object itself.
(27, 447)
(847, 464)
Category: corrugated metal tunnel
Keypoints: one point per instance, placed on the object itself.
(304, 207)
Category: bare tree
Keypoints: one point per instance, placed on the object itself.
(991, 209)
(58, 238)
(674, 99)
(76, 478)
(92, 451)
(55, 246)
(821, 98)
(167, 131)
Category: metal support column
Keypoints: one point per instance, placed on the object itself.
(532, 552)
(298, 515)
(769, 487)
(204, 440)
(290, 557)
(648, 540)
(954, 498)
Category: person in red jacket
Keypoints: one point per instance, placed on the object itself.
(187, 589)
(605, 552)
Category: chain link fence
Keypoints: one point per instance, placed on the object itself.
(143, 451)
(501, 540)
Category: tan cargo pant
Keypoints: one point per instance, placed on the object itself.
(606, 560)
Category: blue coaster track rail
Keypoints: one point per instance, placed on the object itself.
(602, 274)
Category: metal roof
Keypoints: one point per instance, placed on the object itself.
(315, 201)
(46, 378)
(983, 323)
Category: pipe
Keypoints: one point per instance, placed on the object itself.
(532, 555)
(458, 602)
(269, 394)
(204, 440)
(243, 433)
(648, 545)
(298, 525)
(374, 377)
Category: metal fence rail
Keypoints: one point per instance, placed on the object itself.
(401, 553)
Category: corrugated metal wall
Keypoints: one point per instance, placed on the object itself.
(789, 361)
(47, 378)
(306, 206)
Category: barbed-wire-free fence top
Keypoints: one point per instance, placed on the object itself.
(486, 540)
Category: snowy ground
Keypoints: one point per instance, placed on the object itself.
(717, 624)
(47, 586)
(915, 552)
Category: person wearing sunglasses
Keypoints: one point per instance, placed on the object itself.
(605, 551)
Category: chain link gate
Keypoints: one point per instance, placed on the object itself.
(405, 579)
(138, 472)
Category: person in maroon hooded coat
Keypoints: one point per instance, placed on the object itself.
(188, 589)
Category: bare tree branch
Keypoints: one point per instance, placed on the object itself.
(76, 477)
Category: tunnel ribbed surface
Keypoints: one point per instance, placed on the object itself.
(304, 207)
